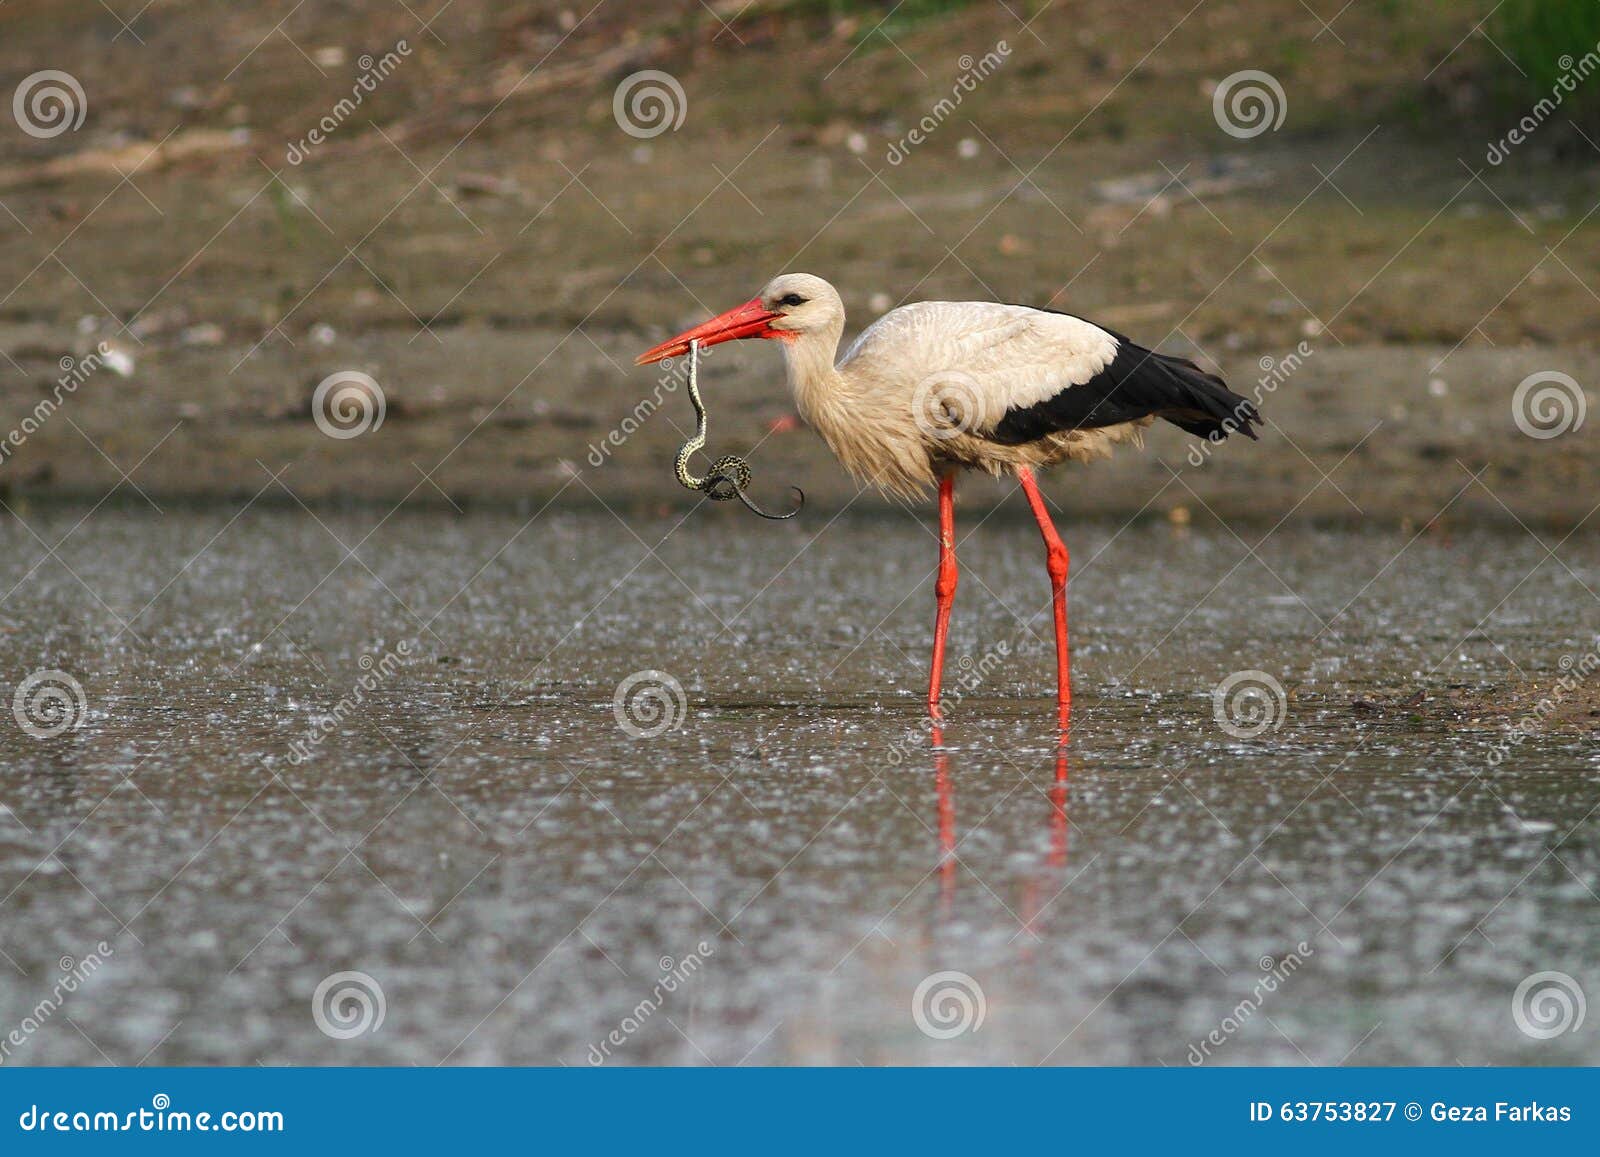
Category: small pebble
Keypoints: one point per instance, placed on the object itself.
(204, 334)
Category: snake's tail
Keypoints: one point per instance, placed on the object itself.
(799, 505)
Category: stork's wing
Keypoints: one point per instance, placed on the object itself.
(1016, 374)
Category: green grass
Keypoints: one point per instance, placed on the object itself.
(1547, 40)
(895, 18)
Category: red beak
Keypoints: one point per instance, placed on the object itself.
(751, 319)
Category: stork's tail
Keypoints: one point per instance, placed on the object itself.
(1205, 405)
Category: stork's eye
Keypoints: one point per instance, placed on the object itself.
(791, 299)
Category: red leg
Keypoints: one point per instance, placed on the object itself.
(944, 587)
(1056, 562)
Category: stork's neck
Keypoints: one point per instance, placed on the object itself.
(813, 379)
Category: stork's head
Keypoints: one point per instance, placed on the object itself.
(792, 305)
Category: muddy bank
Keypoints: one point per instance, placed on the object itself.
(517, 419)
(491, 245)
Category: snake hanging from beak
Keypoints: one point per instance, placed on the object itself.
(730, 474)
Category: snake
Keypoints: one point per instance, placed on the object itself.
(730, 475)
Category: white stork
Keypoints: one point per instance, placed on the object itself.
(939, 386)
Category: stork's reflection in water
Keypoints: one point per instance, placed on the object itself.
(1034, 885)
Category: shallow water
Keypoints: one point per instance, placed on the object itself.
(480, 836)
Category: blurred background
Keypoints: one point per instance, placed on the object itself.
(489, 208)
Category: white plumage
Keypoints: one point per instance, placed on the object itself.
(1015, 356)
(937, 386)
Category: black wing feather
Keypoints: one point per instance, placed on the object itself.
(1137, 383)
